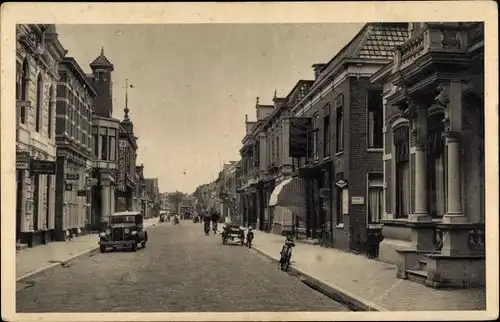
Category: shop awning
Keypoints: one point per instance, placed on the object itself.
(289, 193)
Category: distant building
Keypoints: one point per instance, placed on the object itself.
(105, 136)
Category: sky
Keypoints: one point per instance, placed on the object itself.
(194, 83)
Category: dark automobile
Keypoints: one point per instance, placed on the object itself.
(125, 229)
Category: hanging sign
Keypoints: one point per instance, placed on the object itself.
(68, 187)
(43, 167)
(82, 193)
(72, 176)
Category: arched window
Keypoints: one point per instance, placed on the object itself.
(436, 164)
(25, 80)
(51, 105)
(39, 102)
(22, 84)
(402, 147)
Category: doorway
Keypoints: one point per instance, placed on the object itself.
(19, 202)
(36, 198)
(48, 207)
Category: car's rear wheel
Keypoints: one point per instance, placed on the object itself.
(102, 248)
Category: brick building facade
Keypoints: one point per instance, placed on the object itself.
(343, 171)
(75, 106)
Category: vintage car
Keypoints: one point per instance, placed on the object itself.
(231, 231)
(125, 229)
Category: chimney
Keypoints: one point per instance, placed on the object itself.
(317, 69)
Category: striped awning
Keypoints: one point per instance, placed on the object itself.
(289, 193)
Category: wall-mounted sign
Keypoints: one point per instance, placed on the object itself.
(72, 176)
(121, 180)
(68, 187)
(358, 200)
(92, 182)
(341, 184)
(82, 193)
(345, 201)
(43, 167)
(23, 160)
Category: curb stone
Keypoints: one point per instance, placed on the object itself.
(335, 292)
(45, 269)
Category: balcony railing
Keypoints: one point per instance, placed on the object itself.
(436, 38)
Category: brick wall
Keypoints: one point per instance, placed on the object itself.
(361, 161)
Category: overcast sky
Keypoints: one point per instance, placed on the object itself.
(194, 83)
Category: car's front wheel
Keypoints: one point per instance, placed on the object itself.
(143, 244)
(134, 247)
(102, 248)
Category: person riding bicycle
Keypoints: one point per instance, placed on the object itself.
(206, 220)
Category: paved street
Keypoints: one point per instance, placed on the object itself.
(180, 270)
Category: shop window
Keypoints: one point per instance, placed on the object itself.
(39, 102)
(339, 108)
(375, 119)
(375, 197)
(402, 143)
(436, 166)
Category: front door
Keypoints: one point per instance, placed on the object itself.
(36, 180)
(48, 202)
(19, 202)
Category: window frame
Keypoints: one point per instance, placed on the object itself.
(402, 164)
(50, 112)
(339, 124)
(326, 136)
(39, 103)
(375, 182)
(372, 131)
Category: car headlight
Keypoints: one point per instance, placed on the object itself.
(134, 233)
(108, 231)
(102, 234)
(127, 230)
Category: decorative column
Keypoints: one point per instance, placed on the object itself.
(112, 200)
(105, 201)
(454, 202)
(450, 97)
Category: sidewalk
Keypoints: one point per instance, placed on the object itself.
(367, 284)
(31, 261)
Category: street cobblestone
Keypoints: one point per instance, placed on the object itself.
(180, 270)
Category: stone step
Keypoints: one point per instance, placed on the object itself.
(20, 247)
(416, 275)
(422, 264)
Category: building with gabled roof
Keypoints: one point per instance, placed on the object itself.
(338, 121)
